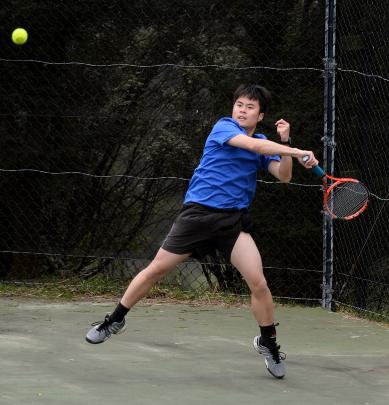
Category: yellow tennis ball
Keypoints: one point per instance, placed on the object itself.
(19, 36)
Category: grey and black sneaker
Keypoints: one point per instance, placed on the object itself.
(273, 357)
(101, 331)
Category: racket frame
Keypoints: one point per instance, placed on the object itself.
(328, 190)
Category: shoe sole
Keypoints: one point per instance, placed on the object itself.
(102, 341)
(267, 368)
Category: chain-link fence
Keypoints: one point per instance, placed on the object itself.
(361, 247)
(104, 113)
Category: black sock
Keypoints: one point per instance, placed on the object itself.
(119, 313)
(268, 334)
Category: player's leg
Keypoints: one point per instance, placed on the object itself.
(247, 259)
(162, 264)
(115, 323)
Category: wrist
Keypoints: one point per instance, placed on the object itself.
(287, 141)
(296, 153)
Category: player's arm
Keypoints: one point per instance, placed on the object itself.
(266, 147)
(281, 170)
(270, 148)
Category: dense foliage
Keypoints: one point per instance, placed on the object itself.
(146, 113)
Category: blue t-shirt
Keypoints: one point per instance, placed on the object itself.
(226, 176)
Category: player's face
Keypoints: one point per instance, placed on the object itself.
(247, 113)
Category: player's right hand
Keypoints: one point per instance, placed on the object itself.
(309, 162)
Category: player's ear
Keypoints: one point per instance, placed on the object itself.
(260, 117)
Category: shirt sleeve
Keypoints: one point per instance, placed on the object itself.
(265, 161)
(224, 130)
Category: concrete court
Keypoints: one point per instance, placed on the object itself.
(183, 354)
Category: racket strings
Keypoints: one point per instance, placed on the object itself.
(347, 199)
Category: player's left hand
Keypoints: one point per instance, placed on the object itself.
(283, 129)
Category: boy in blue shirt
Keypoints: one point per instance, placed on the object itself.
(215, 215)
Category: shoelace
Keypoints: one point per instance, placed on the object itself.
(104, 325)
(277, 355)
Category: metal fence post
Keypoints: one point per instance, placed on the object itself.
(329, 145)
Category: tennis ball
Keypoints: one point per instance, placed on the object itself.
(19, 36)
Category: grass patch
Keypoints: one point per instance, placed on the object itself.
(63, 289)
(359, 313)
(102, 287)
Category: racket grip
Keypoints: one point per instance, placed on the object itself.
(315, 169)
(318, 171)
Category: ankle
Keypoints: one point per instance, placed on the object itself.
(268, 331)
(119, 314)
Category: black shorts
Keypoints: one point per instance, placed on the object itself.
(200, 230)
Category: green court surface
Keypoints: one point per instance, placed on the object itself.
(183, 354)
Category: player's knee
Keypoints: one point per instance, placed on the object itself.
(259, 287)
(155, 270)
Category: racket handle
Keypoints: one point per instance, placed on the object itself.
(315, 169)
(318, 171)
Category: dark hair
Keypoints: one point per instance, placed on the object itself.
(254, 92)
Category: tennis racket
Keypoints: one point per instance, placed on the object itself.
(345, 198)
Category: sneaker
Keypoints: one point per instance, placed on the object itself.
(273, 357)
(103, 330)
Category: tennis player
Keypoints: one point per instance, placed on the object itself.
(215, 215)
